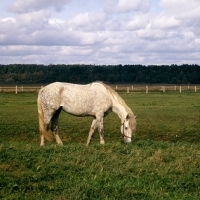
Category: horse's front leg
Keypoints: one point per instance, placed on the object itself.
(42, 140)
(92, 129)
(101, 130)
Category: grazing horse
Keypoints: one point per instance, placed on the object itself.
(95, 99)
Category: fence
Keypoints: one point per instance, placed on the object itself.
(119, 88)
(156, 88)
(21, 89)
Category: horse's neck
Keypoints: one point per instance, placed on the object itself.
(120, 111)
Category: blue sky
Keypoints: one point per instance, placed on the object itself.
(100, 32)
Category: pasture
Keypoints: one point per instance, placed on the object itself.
(162, 162)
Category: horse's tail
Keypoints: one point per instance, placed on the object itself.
(42, 125)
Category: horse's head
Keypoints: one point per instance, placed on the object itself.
(128, 127)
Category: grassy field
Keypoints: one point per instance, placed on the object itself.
(162, 162)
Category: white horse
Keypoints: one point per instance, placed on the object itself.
(95, 99)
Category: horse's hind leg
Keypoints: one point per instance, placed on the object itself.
(54, 126)
(92, 129)
(44, 130)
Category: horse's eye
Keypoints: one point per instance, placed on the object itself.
(126, 128)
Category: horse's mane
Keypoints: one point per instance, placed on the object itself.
(122, 102)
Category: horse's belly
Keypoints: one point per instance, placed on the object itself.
(77, 109)
(86, 108)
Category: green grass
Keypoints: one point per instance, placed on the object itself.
(162, 162)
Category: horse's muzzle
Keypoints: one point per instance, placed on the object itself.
(127, 140)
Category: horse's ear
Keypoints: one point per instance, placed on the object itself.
(135, 116)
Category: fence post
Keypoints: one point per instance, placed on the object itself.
(132, 87)
(116, 87)
(16, 89)
(180, 89)
(22, 89)
(195, 88)
(147, 90)
(127, 89)
(163, 88)
(175, 87)
(0, 88)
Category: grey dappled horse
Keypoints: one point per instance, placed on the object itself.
(95, 99)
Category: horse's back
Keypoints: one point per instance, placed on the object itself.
(85, 99)
(76, 99)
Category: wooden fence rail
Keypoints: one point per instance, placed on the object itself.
(119, 88)
(18, 89)
(156, 88)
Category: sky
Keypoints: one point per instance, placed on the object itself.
(101, 32)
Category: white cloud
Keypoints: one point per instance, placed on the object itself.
(163, 22)
(126, 6)
(151, 35)
(75, 51)
(138, 22)
(186, 12)
(88, 22)
(33, 20)
(176, 7)
(133, 5)
(7, 25)
(8, 19)
(57, 22)
(123, 31)
(189, 35)
(19, 6)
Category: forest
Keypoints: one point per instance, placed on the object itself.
(77, 73)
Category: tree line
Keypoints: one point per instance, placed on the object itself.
(138, 74)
